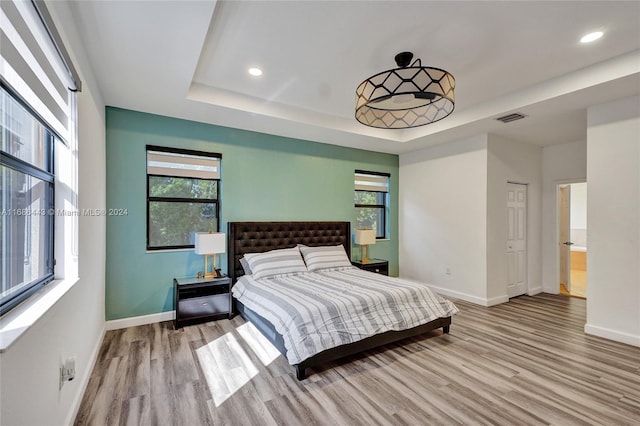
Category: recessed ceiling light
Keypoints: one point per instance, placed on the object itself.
(591, 37)
(256, 72)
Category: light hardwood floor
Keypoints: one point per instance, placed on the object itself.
(578, 284)
(523, 362)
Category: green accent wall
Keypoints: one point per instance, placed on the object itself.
(264, 177)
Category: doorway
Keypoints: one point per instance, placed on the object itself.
(572, 238)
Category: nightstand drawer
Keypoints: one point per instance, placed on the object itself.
(201, 299)
(378, 266)
(198, 307)
(384, 270)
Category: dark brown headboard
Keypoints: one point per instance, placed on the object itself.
(258, 237)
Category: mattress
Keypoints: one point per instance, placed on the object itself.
(315, 311)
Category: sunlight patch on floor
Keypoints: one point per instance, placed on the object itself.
(258, 343)
(226, 367)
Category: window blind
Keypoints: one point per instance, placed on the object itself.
(182, 165)
(31, 65)
(371, 182)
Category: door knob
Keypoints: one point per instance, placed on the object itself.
(568, 243)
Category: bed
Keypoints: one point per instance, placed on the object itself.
(260, 237)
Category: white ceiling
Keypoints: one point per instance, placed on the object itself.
(189, 59)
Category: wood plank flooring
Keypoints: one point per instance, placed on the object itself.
(526, 362)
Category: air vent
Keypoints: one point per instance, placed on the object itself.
(511, 117)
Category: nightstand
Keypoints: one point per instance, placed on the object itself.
(201, 299)
(379, 266)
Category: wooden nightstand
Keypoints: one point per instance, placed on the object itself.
(379, 266)
(201, 299)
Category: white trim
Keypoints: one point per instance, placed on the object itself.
(168, 250)
(497, 300)
(535, 290)
(84, 382)
(618, 336)
(18, 320)
(469, 298)
(141, 320)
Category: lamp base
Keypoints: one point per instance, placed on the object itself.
(215, 273)
(364, 254)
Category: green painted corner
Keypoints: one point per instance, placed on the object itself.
(264, 177)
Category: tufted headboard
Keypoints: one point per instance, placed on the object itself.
(258, 237)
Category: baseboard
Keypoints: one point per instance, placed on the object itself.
(141, 320)
(534, 291)
(618, 336)
(469, 298)
(84, 382)
(497, 300)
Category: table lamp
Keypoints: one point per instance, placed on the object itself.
(365, 237)
(210, 244)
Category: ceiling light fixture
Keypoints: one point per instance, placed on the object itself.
(404, 97)
(256, 72)
(591, 37)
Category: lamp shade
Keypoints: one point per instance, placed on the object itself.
(211, 242)
(365, 236)
(405, 97)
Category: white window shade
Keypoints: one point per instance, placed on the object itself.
(182, 165)
(364, 182)
(31, 65)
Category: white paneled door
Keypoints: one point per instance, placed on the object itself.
(516, 239)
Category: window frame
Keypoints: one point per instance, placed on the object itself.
(384, 207)
(185, 200)
(48, 176)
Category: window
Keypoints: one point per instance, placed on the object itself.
(37, 116)
(183, 189)
(26, 197)
(371, 201)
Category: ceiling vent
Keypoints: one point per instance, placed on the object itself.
(511, 117)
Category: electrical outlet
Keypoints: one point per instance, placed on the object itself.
(67, 371)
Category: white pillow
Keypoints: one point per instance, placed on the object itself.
(325, 257)
(276, 262)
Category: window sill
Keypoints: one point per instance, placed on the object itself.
(20, 319)
(168, 250)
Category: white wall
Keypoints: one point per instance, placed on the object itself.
(579, 205)
(560, 164)
(443, 218)
(613, 212)
(510, 161)
(578, 217)
(453, 216)
(74, 326)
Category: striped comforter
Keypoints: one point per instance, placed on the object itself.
(316, 311)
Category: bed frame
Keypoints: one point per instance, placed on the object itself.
(258, 237)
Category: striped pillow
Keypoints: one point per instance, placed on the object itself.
(276, 262)
(322, 258)
(245, 266)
